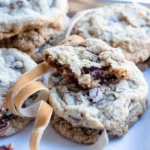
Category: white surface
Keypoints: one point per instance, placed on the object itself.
(138, 1)
(138, 137)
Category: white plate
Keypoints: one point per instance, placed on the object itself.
(137, 138)
(126, 1)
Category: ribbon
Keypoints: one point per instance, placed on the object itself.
(26, 86)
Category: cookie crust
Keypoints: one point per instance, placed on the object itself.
(29, 41)
(77, 134)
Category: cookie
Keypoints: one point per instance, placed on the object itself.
(77, 134)
(124, 26)
(13, 64)
(30, 40)
(23, 15)
(81, 135)
(113, 106)
(89, 62)
(53, 38)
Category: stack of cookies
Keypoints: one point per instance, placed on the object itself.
(94, 88)
(25, 25)
(96, 85)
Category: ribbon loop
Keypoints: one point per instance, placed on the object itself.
(24, 87)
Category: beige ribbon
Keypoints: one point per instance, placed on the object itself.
(24, 88)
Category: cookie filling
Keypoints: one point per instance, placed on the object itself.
(101, 74)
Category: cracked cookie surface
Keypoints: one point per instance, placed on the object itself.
(125, 26)
(13, 64)
(89, 62)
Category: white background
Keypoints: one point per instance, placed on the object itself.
(139, 1)
(137, 138)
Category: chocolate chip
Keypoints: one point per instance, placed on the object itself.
(100, 132)
(112, 79)
(3, 127)
(95, 72)
(91, 100)
(99, 74)
(85, 70)
(73, 80)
